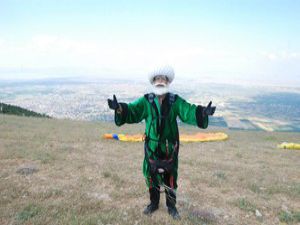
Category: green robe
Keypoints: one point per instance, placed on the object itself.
(162, 133)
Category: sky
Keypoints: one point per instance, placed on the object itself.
(217, 40)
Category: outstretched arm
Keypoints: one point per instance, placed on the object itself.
(192, 114)
(128, 113)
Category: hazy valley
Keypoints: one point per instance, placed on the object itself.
(262, 107)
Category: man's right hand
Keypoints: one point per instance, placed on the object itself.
(113, 104)
(209, 110)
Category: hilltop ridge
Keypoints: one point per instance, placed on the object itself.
(19, 111)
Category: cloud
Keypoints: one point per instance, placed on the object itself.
(280, 55)
(59, 47)
(53, 50)
(47, 51)
(120, 56)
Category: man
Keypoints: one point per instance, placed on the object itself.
(160, 110)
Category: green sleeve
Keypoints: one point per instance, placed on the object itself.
(133, 112)
(190, 113)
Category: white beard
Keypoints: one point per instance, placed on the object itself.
(160, 89)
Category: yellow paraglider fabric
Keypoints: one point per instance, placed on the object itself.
(198, 137)
(286, 145)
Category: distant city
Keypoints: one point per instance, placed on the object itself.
(270, 108)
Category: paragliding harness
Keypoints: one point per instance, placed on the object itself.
(163, 164)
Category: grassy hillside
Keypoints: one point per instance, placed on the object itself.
(19, 111)
(79, 178)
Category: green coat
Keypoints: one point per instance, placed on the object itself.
(162, 133)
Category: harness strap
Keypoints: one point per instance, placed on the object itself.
(165, 164)
(172, 98)
(151, 97)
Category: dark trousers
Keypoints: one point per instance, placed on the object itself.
(169, 191)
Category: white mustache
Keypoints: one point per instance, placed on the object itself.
(160, 85)
(160, 89)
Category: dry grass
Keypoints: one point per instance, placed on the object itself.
(83, 179)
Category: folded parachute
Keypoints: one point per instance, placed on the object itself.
(197, 137)
(286, 145)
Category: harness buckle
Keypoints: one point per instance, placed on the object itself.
(161, 166)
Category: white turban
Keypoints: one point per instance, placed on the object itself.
(166, 70)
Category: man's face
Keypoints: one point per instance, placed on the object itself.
(160, 80)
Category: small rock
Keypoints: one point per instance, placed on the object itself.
(99, 196)
(285, 208)
(217, 212)
(27, 170)
(226, 217)
(257, 213)
(262, 188)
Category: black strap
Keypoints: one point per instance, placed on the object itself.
(172, 98)
(150, 97)
(165, 110)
